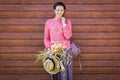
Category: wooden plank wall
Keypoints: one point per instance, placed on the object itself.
(96, 27)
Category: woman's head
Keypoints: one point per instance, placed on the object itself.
(59, 9)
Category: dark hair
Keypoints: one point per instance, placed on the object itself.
(59, 4)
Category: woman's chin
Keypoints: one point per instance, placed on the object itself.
(59, 16)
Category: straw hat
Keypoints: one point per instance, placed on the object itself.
(52, 65)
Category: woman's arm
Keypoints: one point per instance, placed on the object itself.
(47, 35)
(67, 31)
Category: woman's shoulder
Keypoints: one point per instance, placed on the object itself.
(68, 20)
(48, 21)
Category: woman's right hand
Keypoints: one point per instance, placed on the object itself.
(64, 21)
(48, 51)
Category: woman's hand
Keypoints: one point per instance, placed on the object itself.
(64, 21)
(48, 51)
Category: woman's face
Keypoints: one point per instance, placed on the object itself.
(59, 11)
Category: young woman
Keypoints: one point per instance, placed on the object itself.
(59, 30)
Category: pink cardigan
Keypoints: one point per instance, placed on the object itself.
(54, 32)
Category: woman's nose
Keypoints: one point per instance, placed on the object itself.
(59, 12)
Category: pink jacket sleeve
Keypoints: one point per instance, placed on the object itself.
(67, 31)
(46, 35)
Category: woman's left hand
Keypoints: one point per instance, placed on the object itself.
(63, 20)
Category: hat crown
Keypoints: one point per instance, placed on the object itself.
(49, 64)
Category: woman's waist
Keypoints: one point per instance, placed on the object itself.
(60, 41)
(65, 43)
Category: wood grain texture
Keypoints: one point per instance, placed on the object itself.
(74, 21)
(25, 77)
(95, 25)
(74, 36)
(87, 56)
(36, 49)
(96, 76)
(42, 71)
(39, 42)
(53, 1)
(79, 77)
(32, 63)
(40, 29)
(42, 7)
(68, 14)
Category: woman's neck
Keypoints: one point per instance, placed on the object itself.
(57, 18)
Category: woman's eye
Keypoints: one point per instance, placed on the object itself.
(60, 10)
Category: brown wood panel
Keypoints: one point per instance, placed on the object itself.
(96, 76)
(20, 49)
(87, 56)
(19, 56)
(53, 1)
(100, 42)
(95, 35)
(32, 63)
(69, 14)
(41, 70)
(96, 27)
(25, 77)
(39, 42)
(12, 43)
(28, 14)
(20, 64)
(100, 49)
(98, 70)
(74, 36)
(43, 7)
(15, 71)
(40, 29)
(18, 29)
(92, 14)
(97, 63)
(21, 35)
(74, 21)
(76, 77)
(83, 49)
